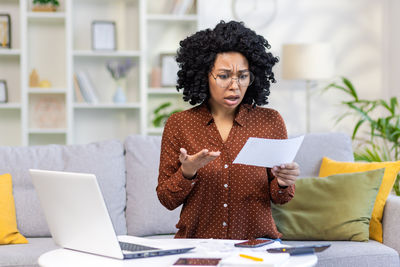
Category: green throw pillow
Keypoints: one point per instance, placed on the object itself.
(336, 207)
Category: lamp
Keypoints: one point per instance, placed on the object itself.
(309, 62)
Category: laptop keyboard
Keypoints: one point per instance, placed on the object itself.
(134, 247)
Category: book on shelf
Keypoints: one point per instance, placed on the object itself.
(87, 88)
(168, 7)
(78, 93)
(181, 7)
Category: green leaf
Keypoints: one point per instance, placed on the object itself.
(396, 186)
(161, 107)
(333, 85)
(175, 111)
(395, 134)
(359, 123)
(386, 105)
(340, 118)
(158, 120)
(43, 2)
(393, 103)
(369, 155)
(362, 113)
(350, 87)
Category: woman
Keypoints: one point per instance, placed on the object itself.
(228, 72)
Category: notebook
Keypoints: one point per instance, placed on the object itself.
(78, 219)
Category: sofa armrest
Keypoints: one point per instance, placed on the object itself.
(390, 222)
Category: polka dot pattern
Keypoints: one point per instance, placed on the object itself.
(224, 200)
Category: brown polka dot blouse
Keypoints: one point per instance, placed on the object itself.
(224, 200)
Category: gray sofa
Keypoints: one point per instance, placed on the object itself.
(127, 174)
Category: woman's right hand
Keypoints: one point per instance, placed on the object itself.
(191, 163)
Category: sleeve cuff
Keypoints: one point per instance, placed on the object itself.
(184, 183)
(280, 186)
(281, 194)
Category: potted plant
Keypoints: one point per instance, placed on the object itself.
(161, 114)
(119, 70)
(45, 5)
(380, 119)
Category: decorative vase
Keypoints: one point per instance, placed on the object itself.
(119, 95)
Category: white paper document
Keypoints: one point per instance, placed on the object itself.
(268, 152)
(266, 259)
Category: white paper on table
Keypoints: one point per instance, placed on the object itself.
(268, 152)
(269, 259)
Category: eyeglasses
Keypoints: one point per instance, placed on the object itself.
(224, 80)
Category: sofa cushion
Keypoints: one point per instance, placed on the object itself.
(315, 146)
(144, 213)
(337, 207)
(104, 159)
(350, 254)
(329, 167)
(9, 233)
(390, 222)
(25, 255)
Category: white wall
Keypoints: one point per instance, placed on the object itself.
(391, 30)
(355, 30)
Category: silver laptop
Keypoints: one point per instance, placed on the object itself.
(78, 218)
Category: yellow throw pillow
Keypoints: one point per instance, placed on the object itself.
(331, 167)
(9, 233)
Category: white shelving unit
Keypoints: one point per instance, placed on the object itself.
(171, 17)
(123, 54)
(10, 52)
(46, 15)
(10, 106)
(172, 28)
(58, 45)
(107, 120)
(10, 71)
(163, 91)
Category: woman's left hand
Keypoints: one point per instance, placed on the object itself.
(286, 173)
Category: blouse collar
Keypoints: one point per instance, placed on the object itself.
(240, 118)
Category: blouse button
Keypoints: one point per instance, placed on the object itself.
(226, 185)
(225, 205)
(226, 166)
(224, 224)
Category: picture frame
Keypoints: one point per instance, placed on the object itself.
(104, 35)
(48, 112)
(5, 31)
(3, 91)
(169, 69)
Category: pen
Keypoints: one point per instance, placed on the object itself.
(250, 257)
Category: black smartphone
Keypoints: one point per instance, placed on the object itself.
(197, 262)
(254, 243)
(297, 250)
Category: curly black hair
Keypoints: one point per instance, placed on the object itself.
(197, 53)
